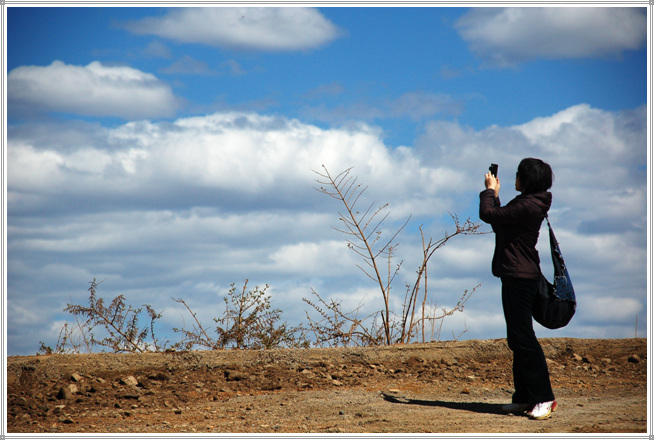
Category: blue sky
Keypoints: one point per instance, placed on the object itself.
(169, 152)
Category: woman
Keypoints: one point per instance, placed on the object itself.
(516, 263)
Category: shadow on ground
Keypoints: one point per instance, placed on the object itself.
(478, 407)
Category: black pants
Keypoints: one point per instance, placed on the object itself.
(531, 377)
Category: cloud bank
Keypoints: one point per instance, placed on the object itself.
(506, 37)
(185, 208)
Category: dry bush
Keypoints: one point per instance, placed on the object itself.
(248, 322)
(118, 324)
(363, 229)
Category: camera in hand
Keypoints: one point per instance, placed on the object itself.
(493, 169)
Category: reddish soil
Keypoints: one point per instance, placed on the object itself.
(440, 387)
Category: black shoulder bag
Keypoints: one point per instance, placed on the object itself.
(556, 303)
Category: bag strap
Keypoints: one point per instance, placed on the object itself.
(564, 289)
(554, 243)
(555, 250)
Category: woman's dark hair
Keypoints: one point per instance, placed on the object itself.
(535, 175)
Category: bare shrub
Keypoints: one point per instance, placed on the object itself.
(337, 328)
(363, 229)
(248, 322)
(118, 322)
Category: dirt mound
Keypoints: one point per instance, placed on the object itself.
(446, 387)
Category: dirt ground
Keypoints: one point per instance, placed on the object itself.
(440, 387)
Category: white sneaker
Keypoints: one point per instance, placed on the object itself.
(542, 410)
(515, 407)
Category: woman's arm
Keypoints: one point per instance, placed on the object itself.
(490, 208)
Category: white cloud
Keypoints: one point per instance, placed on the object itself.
(250, 28)
(187, 65)
(325, 90)
(476, 323)
(612, 310)
(464, 255)
(233, 67)
(416, 105)
(506, 37)
(24, 315)
(156, 49)
(226, 154)
(584, 146)
(320, 258)
(175, 208)
(587, 147)
(93, 90)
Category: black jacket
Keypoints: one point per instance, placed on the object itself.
(516, 227)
